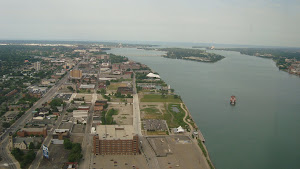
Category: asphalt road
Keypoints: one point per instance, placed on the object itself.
(87, 142)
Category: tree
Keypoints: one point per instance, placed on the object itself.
(67, 144)
(56, 102)
(5, 125)
(107, 83)
(17, 153)
(31, 146)
(70, 88)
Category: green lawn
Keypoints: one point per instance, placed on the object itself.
(159, 98)
(175, 119)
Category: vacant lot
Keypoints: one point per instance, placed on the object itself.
(57, 157)
(124, 113)
(171, 112)
(160, 98)
(114, 86)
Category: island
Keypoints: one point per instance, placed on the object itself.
(189, 54)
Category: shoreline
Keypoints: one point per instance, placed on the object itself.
(200, 135)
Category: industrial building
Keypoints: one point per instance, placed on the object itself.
(115, 140)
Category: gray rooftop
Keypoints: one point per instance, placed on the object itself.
(115, 132)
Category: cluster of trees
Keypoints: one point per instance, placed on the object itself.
(56, 102)
(24, 159)
(107, 118)
(119, 95)
(75, 148)
(117, 59)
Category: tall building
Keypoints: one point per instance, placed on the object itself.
(76, 74)
(115, 139)
(37, 66)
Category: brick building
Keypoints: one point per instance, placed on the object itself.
(115, 140)
(32, 131)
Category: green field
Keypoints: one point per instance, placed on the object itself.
(114, 86)
(159, 98)
(175, 119)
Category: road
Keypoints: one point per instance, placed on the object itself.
(39, 156)
(87, 142)
(5, 154)
(146, 149)
(137, 124)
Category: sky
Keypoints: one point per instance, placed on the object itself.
(255, 22)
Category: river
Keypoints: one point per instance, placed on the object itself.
(262, 131)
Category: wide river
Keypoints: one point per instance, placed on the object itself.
(262, 131)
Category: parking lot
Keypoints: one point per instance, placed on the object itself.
(119, 162)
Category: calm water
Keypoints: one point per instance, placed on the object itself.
(261, 132)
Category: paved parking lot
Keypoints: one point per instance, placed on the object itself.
(120, 162)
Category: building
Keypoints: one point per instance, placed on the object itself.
(125, 90)
(61, 134)
(115, 140)
(87, 86)
(18, 107)
(10, 115)
(37, 66)
(101, 102)
(76, 74)
(23, 142)
(32, 131)
(36, 91)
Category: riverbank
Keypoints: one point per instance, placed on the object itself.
(286, 59)
(164, 104)
(231, 131)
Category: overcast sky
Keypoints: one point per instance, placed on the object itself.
(253, 22)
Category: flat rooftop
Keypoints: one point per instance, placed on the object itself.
(115, 132)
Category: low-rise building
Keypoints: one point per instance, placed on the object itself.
(23, 142)
(32, 131)
(10, 115)
(61, 134)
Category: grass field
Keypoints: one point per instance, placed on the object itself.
(114, 86)
(159, 98)
(152, 113)
(157, 133)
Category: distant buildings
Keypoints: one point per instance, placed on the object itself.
(115, 140)
(76, 74)
(37, 66)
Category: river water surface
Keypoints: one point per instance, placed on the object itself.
(262, 131)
